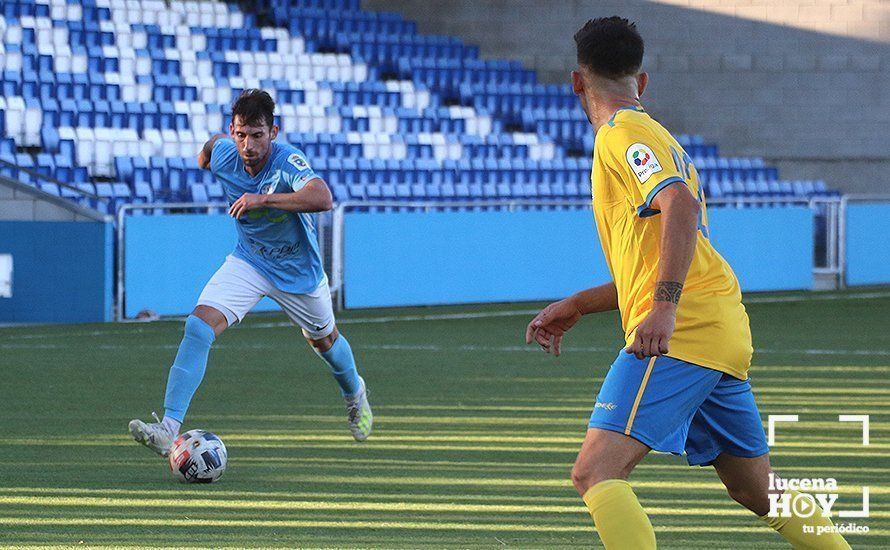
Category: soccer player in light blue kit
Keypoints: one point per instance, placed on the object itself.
(273, 194)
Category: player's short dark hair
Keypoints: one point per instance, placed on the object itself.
(255, 107)
(610, 46)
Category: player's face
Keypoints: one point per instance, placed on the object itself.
(254, 142)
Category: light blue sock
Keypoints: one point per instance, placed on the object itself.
(342, 364)
(188, 367)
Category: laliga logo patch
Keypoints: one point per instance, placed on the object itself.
(642, 161)
(298, 161)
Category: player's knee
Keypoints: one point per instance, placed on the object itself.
(750, 497)
(324, 343)
(213, 317)
(584, 478)
(321, 345)
(581, 479)
(594, 470)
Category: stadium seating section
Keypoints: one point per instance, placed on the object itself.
(115, 97)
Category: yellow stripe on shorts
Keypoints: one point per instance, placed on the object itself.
(633, 411)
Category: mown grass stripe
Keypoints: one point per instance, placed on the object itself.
(355, 506)
(347, 524)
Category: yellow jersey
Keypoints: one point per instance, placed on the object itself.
(634, 158)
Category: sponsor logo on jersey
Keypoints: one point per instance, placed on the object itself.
(642, 161)
(274, 252)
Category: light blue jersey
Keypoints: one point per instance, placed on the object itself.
(281, 245)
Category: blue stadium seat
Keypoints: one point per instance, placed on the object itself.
(408, 116)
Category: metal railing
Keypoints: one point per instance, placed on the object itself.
(829, 211)
(62, 185)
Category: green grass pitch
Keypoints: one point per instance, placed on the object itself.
(475, 432)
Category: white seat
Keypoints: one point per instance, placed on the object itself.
(139, 40)
(13, 61)
(85, 153)
(143, 93)
(62, 63)
(73, 12)
(390, 125)
(104, 160)
(15, 123)
(129, 93)
(455, 150)
(143, 65)
(208, 95)
(198, 121)
(78, 63)
(399, 151)
(146, 149)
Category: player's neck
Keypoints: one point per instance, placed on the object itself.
(605, 108)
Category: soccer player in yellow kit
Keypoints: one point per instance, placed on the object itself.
(681, 384)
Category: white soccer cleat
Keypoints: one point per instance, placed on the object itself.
(358, 414)
(154, 435)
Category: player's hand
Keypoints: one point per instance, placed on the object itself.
(548, 326)
(654, 332)
(247, 202)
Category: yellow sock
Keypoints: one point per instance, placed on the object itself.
(620, 520)
(804, 533)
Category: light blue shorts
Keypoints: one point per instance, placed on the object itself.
(677, 407)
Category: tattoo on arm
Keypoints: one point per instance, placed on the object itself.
(668, 291)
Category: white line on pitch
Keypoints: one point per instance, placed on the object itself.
(442, 316)
(438, 348)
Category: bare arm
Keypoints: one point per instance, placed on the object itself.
(204, 153)
(313, 197)
(596, 300)
(548, 327)
(679, 232)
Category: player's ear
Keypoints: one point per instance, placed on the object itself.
(232, 129)
(642, 82)
(577, 83)
(274, 132)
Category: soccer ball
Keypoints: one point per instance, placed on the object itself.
(198, 456)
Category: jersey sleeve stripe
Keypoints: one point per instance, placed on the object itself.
(645, 210)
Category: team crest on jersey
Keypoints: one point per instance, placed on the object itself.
(298, 161)
(642, 161)
(269, 187)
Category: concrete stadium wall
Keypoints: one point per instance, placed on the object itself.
(802, 83)
(427, 258)
(24, 203)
